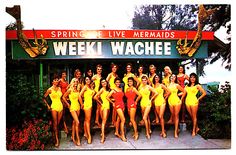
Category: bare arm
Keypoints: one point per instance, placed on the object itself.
(65, 96)
(80, 96)
(184, 94)
(109, 97)
(108, 77)
(154, 92)
(137, 81)
(186, 77)
(94, 77)
(138, 94)
(199, 87)
(44, 98)
(167, 91)
(96, 97)
(180, 89)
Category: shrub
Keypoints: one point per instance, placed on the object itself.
(22, 99)
(214, 115)
(33, 135)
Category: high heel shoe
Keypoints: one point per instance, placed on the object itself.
(78, 143)
(176, 135)
(136, 136)
(164, 135)
(148, 136)
(117, 135)
(123, 138)
(56, 145)
(89, 140)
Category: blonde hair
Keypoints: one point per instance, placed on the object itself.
(152, 66)
(167, 67)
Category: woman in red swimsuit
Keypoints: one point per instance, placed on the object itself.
(181, 77)
(63, 84)
(131, 93)
(118, 104)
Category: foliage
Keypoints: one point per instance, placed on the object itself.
(184, 17)
(22, 99)
(33, 135)
(214, 115)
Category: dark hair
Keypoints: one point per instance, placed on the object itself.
(129, 64)
(86, 73)
(113, 64)
(100, 86)
(98, 66)
(116, 79)
(154, 81)
(183, 68)
(87, 77)
(196, 77)
(134, 82)
(55, 76)
(142, 67)
(62, 72)
(175, 78)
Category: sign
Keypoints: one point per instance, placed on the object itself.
(110, 44)
(111, 34)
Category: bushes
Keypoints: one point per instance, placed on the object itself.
(214, 115)
(27, 118)
(22, 100)
(32, 135)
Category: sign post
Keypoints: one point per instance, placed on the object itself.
(41, 78)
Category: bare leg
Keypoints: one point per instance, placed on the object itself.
(87, 124)
(64, 122)
(98, 115)
(114, 114)
(104, 120)
(76, 126)
(73, 131)
(156, 120)
(194, 115)
(162, 122)
(122, 123)
(145, 118)
(132, 120)
(117, 125)
(55, 126)
(170, 121)
(183, 112)
(176, 118)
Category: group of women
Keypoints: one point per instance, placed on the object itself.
(138, 90)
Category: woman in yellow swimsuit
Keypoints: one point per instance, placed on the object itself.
(160, 101)
(140, 75)
(56, 107)
(77, 77)
(96, 79)
(87, 93)
(192, 101)
(100, 97)
(152, 70)
(174, 101)
(74, 107)
(145, 103)
(110, 78)
(166, 82)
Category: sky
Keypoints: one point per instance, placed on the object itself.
(96, 15)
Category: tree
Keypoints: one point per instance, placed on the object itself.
(184, 17)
